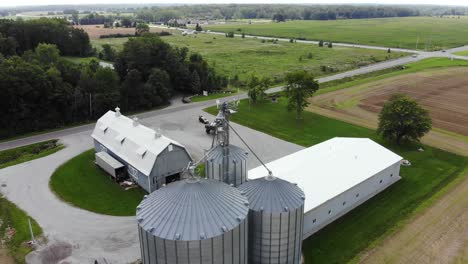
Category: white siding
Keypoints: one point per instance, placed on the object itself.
(353, 198)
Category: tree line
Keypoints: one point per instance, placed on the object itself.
(40, 89)
(265, 11)
(18, 36)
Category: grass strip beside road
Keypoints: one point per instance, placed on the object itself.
(34, 151)
(17, 220)
(201, 98)
(81, 183)
(358, 230)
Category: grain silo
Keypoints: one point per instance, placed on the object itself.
(276, 213)
(225, 162)
(194, 221)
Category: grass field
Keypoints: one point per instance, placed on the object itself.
(344, 239)
(242, 57)
(13, 217)
(433, 33)
(34, 151)
(461, 53)
(80, 182)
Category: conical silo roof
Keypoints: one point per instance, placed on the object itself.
(272, 195)
(235, 153)
(192, 209)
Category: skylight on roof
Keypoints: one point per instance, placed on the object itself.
(104, 128)
(120, 138)
(141, 151)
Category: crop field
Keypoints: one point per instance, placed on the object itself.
(242, 57)
(95, 31)
(442, 91)
(431, 33)
(436, 235)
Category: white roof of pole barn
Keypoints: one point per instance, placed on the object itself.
(330, 168)
(131, 141)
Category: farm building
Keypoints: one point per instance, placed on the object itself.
(336, 176)
(151, 159)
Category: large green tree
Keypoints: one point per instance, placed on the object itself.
(257, 87)
(141, 28)
(402, 118)
(300, 86)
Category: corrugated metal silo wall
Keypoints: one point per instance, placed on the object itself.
(235, 165)
(229, 248)
(275, 237)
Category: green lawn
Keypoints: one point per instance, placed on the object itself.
(80, 182)
(242, 57)
(342, 240)
(433, 32)
(22, 154)
(12, 216)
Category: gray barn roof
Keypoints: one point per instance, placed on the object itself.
(133, 142)
(272, 195)
(192, 210)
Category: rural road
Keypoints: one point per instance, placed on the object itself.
(114, 239)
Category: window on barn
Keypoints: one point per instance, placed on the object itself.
(380, 181)
(344, 203)
(357, 195)
(391, 175)
(329, 211)
(315, 220)
(170, 148)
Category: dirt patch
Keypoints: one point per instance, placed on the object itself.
(437, 235)
(443, 92)
(5, 258)
(95, 31)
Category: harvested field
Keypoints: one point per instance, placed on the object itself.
(95, 31)
(437, 235)
(443, 92)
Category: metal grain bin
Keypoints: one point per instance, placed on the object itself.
(275, 220)
(194, 221)
(227, 164)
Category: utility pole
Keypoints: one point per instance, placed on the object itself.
(31, 231)
(90, 106)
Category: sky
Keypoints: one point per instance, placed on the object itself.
(74, 2)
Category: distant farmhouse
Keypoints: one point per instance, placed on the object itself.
(125, 147)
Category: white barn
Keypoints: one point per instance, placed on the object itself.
(150, 158)
(336, 176)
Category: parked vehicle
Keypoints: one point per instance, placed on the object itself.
(186, 100)
(203, 119)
